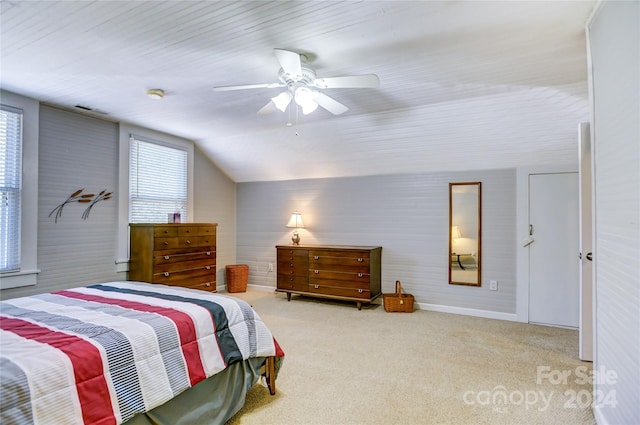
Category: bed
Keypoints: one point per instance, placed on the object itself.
(130, 353)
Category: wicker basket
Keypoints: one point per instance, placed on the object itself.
(237, 276)
(398, 302)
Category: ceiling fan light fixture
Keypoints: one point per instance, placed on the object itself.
(282, 100)
(305, 98)
(309, 107)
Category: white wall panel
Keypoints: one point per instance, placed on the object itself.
(405, 214)
(76, 152)
(215, 202)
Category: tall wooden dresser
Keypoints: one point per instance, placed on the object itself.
(350, 273)
(180, 254)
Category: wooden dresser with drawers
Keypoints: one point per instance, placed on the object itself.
(350, 273)
(180, 254)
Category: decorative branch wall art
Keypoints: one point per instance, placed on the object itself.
(86, 198)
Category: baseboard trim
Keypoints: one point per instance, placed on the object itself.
(487, 314)
(511, 317)
(262, 288)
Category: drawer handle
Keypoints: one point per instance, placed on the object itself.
(166, 274)
(291, 264)
(187, 231)
(290, 279)
(360, 291)
(316, 271)
(316, 257)
(188, 242)
(166, 243)
(360, 260)
(166, 231)
(166, 257)
(208, 252)
(208, 267)
(360, 275)
(207, 284)
(316, 286)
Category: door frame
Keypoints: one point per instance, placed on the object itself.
(522, 232)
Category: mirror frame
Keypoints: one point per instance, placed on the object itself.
(478, 281)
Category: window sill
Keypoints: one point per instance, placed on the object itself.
(18, 279)
(122, 265)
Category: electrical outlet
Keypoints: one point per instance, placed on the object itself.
(270, 267)
(493, 285)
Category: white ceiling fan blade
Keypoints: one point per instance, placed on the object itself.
(267, 109)
(248, 86)
(349, 81)
(330, 104)
(289, 61)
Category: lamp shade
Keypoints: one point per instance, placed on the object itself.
(305, 98)
(282, 100)
(455, 232)
(295, 220)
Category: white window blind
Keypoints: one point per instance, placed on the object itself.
(10, 187)
(157, 181)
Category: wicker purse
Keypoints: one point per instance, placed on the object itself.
(398, 302)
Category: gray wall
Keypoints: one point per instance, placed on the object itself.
(408, 215)
(615, 46)
(77, 151)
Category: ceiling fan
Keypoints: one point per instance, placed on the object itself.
(303, 86)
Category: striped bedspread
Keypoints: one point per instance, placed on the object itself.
(103, 353)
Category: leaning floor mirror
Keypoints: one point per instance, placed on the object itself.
(465, 219)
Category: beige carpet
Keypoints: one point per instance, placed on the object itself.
(344, 366)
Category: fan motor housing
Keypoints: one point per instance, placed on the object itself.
(307, 77)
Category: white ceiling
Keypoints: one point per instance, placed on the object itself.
(464, 84)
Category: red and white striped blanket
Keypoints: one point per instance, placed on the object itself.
(103, 353)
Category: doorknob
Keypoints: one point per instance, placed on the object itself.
(589, 256)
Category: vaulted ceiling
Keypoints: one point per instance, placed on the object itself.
(463, 84)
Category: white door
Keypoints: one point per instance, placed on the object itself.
(553, 256)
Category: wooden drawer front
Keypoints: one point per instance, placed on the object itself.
(297, 267)
(364, 278)
(293, 262)
(179, 257)
(177, 276)
(204, 286)
(183, 242)
(339, 260)
(185, 265)
(196, 231)
(294, 283)
(165, 231)
(354, 284)
(339, 291)
(293, 258)
(290, 253)
(205, 283)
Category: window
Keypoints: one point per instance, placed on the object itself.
(157, 181)
(10, 187)
(152, 168)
